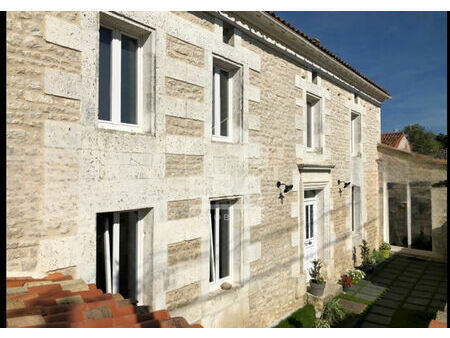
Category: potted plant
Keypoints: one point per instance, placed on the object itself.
(356, 275)
(385, 249)
(346, 282)
(317, 282)
(367, 260)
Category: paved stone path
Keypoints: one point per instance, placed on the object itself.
(409, 283)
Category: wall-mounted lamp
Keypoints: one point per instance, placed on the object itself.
(346, 184)
(287, 188)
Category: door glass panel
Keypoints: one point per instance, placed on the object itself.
(129, 80)
(311, 222)
(307, 221)
(224, 253)
(128, 254)
(104, 84)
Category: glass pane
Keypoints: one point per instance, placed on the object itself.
(311, 222)
(104, 85)
(308, 125)
(129, 80)
(398, 232)
(307, 221)
(421, 228)
(317, 124)
(212, 241)
(224, 252)
(224, 114)
(128, 254)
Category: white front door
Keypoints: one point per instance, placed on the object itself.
(310, 233)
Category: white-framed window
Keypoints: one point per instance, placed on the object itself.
(221, 243)
(120, 253)
(355, 134)
(313, 123)
(356, 208)
(120, 80)
(222, 105)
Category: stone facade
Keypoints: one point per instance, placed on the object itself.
(64, 168)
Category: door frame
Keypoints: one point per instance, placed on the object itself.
(306, 202)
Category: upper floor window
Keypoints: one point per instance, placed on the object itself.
(227, 101)
(314, 77)
(221, 121)
(313, 123)
(119, 79)
(356, 134)
(227, 33)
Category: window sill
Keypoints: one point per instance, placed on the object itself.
(217, 292)
(314, 150)
(221, 139)
(128, 128)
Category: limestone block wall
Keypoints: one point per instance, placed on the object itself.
(403, 167)
(63, 168)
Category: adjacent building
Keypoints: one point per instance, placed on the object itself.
(144, 151)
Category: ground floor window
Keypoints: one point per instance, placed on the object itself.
(221, 242)
(119, 247)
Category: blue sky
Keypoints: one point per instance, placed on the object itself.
(404, 52)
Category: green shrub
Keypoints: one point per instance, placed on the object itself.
(321, 323)
(377, 256)
(365, 253)
(334, 312)
(385, 246)
(314, 272)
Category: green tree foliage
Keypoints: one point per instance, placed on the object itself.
(421, 140)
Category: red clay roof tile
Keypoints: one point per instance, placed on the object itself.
(60, 301)
(392, 139)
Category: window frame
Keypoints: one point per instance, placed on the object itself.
(217, 281)
(355, 145)
(217, 110)
(112, 255)
(115, 86)
(315, 103)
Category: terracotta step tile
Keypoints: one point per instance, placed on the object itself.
(118, 297)
(71, 299)
(52, 325)
(153, 323)
(25, 321)
(158, 315)
(437, 324)
(45, 289)
(126, 320)
(23, 312)
(124, 311)
(98, 298)
(48, 310)
(88, 293)
(15, 304)
(108, 303)
(175, 322)
(55, 275)
(92, 286)
(22, 296)
(105, 322)
(69, 316)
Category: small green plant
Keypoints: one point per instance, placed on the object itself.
(378, 256)
(384, 246)
(334, 312)
(356, 275)
(314, 272)
(365, 253)
(321, 323)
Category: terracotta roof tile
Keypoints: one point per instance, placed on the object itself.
(60, 301)
(316, 43)
(392, 139)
